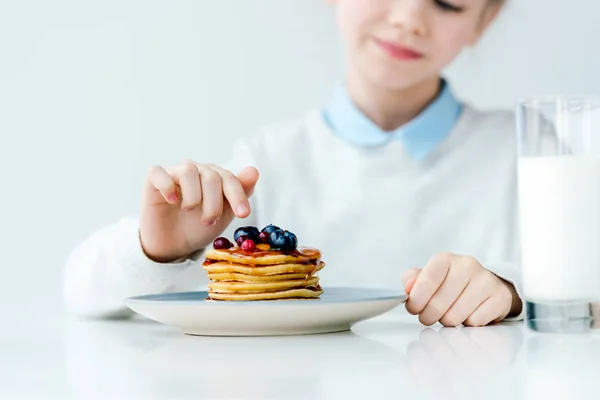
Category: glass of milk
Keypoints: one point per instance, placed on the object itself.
(559, 211)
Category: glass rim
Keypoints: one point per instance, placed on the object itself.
(551, 99)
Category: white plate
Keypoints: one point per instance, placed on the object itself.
(337, 310)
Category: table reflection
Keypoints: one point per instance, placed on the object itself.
(563, 366)
(132, 360)
(466, 362)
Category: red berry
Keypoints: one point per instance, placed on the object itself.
(241, 240)
(248, 245)
(263, 237)
(222, 243)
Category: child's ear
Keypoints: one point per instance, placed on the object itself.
(489, 15)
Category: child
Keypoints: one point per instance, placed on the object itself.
(396, 181)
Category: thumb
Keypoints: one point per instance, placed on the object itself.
(409, 278)
(248, 178)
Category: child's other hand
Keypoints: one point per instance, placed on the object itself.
(184, 208)
(454, 290)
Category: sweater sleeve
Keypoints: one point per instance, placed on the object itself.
(110, 265)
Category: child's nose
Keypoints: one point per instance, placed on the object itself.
(409, 16)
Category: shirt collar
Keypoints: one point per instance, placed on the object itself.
(419, 136)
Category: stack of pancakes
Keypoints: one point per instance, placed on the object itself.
(264, 274)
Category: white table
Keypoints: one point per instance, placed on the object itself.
(390, 357)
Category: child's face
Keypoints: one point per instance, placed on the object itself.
(400, 43)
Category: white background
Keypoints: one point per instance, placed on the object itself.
(94, 92)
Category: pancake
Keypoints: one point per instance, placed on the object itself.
(252, 287)
(221, 267)
(263, 266)
(305, 293)
(237, 277)
(265, 257)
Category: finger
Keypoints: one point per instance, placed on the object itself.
(248, 178)
(450, 290)
(159, 179)
(409, 278)
(428, 282)
(187, 177)
(234, 192)
(493, 308)
(477, 291)
(212, 195)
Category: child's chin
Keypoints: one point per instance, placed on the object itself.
(393, 79)
(392, 74)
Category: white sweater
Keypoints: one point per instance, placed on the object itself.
(374, 212)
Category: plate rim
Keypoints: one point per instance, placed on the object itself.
(146, 299)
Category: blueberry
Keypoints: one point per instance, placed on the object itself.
(270, 228)
(276, 239)
(282, 240)
(291, 240)
(250, 232)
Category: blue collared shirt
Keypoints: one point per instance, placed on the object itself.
(419, 136)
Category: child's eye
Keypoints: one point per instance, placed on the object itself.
(447, 6)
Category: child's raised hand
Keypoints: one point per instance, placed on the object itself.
(184, 208)
(454, 290)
